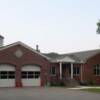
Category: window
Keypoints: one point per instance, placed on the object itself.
(30, 74)
(53, 71)
(11, 75)
(97, 69)
(76, 70)
(24, 74)
(7, 74)
(37, 74)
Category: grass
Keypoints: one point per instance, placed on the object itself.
(95, 90)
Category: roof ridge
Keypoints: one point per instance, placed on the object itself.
(80, 52)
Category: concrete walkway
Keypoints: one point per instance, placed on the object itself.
(84, 87)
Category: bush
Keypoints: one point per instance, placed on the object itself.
(62, 84)
(57, 84)
(83, 83)
(88, 82)
(91, 82)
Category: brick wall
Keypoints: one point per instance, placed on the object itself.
(7, 56)
(88, 70)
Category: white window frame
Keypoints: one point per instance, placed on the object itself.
(7, 75)
(34, 74)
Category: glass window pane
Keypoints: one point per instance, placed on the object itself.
(3, 76)
(30, 72)
(11, 76)
(3, 72)
(97, 72)
(78, 70)
(74, 70)
(11, 72)
(30, 76)
(24, 76)
(97, 69)
(53, 70)
(37, 72)
(37, 76)
(24, 72)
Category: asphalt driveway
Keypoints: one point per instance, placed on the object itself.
(45, 94)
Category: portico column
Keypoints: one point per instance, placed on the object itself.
(60, 70)
(71, 70)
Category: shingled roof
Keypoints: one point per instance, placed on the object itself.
(84, 55)
(52, 55)
(78, 57)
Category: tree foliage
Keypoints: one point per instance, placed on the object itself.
(98, 29)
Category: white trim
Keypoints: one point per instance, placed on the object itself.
(72, 71)
(66, 59)
(30, 68)
(24, 45)
(7, 67)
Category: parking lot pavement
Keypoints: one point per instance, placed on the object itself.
(45, 94)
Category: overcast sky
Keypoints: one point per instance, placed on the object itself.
(56, 25)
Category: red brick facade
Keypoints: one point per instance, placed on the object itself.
(65, 72)
(7, 56)
(88, 69)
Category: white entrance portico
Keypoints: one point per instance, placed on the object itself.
(65, 60)
(60, 66)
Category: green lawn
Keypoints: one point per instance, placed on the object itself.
(96, 90)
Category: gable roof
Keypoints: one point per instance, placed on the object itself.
(24, 45)
(78, 57)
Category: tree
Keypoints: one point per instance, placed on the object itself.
(98, 29)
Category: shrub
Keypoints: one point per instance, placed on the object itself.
(88, 82)
(57, 84)
(91, 82)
